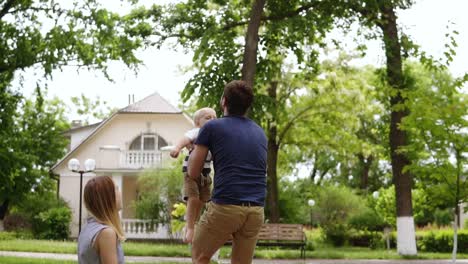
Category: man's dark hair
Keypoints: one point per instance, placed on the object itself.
(239, 97)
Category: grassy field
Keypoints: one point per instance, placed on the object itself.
(171, 250)
(19, 260)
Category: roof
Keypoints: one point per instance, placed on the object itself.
(74, 129)
(153, 103)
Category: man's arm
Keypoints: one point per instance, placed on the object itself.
(196, 161)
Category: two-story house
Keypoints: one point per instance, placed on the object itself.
(123, 145)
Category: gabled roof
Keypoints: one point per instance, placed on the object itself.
(153, 103)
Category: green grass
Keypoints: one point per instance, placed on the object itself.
(20, 260)
(17, 260)
(171, 250)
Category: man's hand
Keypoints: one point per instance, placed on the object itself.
(197, 160)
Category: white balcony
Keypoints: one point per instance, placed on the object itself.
(145, 229)
(140, 159)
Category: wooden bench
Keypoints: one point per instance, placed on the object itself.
(282, 235)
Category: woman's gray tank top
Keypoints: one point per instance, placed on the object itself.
(87, 254)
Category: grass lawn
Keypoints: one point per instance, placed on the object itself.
(19, 260)
(171, 250)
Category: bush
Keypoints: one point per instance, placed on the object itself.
(335, 205)
(49, 217)
(372, 240)
(7, 236)
(16, 222)
(442, 241)
(159, 190)
(369, 220)
(53, 223)
(443, 217)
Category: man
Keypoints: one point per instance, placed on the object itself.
(239, 149)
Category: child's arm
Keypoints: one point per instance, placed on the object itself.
(184, 142)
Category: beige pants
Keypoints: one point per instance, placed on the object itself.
(216, 226)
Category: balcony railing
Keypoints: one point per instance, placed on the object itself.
(137, 159)
(146, 229)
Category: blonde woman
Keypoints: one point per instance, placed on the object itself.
(99, 241)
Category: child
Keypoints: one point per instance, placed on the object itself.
(195, 191)
(99, 241)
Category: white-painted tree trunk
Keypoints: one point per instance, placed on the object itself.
(406, 236)
(455, 239)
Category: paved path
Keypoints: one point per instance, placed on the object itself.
(256, 261)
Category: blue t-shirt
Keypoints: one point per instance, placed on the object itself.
(239, 150)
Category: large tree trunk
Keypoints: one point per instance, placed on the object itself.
(272, 162)
(406, 241)
(251, 43)
(366, 164)
(3, 212)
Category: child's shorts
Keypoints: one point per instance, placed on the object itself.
(199, 188)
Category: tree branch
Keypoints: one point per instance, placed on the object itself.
(291, 122)
(6, 7)
(289, 14)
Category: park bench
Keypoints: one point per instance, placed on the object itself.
(282, 235)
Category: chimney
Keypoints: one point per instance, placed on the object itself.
(76, 123)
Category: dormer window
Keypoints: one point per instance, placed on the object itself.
(148, 142)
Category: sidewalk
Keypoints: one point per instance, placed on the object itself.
(132, 259)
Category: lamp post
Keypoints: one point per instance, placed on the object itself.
(311, 204)
(74, 165)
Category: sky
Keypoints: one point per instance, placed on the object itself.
(425, 22)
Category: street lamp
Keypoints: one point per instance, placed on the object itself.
(311, 204)
(74, 165)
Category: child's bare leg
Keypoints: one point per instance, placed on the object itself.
(193, 211)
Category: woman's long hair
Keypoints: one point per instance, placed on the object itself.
(100, 200)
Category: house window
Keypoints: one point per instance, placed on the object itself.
(148, 142)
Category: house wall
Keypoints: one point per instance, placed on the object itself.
(464, 216)
(70, 192)
(119, 131)
(129, 194)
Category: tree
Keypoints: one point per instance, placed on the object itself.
(88, 108)
(214, 29)
(344, 124)
(159, 190)
(439, 146)
(49, 35)
(381, 14)
(31, 143)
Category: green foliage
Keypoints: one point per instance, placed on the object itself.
(49, 218)
(437, 124)
(159, 189)
(31, 142)
(52, 34)
(177, 221)
(369, 239)
(53, 224)
(91, 108)
(335, 206)
(293, 201)
(15, 222)
(385, 207)
(7, 236)
(368, 220)
(442, 241)
(443, 217)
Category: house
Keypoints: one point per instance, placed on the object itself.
(123, 145)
